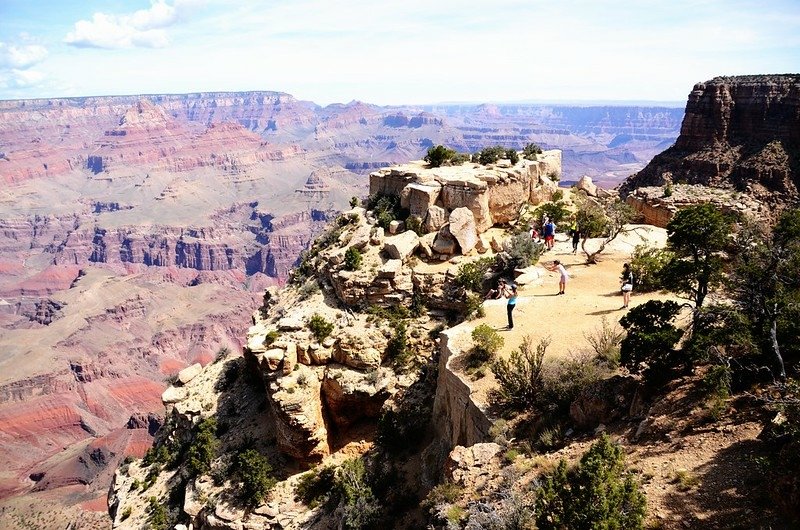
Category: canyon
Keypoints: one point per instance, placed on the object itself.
(138, 232)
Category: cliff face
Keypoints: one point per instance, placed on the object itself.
(738, 132)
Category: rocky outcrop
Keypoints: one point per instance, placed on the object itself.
(493, 194)
(657, 207)
(738, 132)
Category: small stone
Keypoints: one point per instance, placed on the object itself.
(395, 227)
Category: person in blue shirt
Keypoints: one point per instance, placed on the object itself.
(512, 303)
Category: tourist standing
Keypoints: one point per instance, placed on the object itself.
(559, 268)
(549, 234)
(627, 285)
(512, 303)
(576, 237)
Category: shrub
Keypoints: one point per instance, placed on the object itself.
(490, 155)
(605, 342)
(314, 487)
(271, 336)
(474, 307)
(414, 223)
(360, 509)
(562, 381)
(222, 353)
(512, 155)
(520, 378)
(554, 175)
(556, 210)
(531, 150)
(354, 201)
(352, 259)
(445, 493)
(470, 275)
(253, 470)
(558, 195)
(438, 155)
(386, 208)
(646, 265)
(487, 342)
(319, 327)
(397, 347)
(523, 251)
(648, 347)
(126, 513)
(597, 493)
(157, 515)
(668, 190)
(203, 448)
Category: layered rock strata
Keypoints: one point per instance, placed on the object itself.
(738, 132)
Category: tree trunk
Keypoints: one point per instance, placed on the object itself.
(776, 348)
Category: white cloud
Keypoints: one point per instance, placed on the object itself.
(24, 56)
(142, 29)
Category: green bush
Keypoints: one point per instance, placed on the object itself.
(386, 209)
(360, 509)
(352, 259)
(315, 487)
(531, 150)
(648, 346)
(203, 448)
(487, 342)
(556, 210)
(253, 470)
(597, 493)
(414, 223)
(523, 251)
(646, 265)
(668, 190)
(397, 347)
(563, 381)
(158, 517)
(319, 327)
(473, 307)
(558, 195)
(490, 155)
(512, 155)
(470, 275)
(126, 513)
(520, 378)
(354, 201)
(438, 155)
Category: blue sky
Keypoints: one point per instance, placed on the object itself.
(392, 52)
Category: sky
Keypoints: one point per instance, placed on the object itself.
(393, 52)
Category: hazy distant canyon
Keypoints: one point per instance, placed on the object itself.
(137, 235)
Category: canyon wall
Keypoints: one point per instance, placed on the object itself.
(741, 133)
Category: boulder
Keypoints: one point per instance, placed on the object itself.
(395, 227)
(481, 245)
(444, 243)
(189, 373)
(255, 341)
(435, 218)
(390, 268)
(586, 185)
(422, 197)
(401, 246)
(173, 394)
(376, 238)
(462, 227)
(361, 236)
(496, 243)
(291, 323)
(273, 357)
(426, 244)
(290, 358)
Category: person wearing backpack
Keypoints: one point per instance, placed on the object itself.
(627, 285)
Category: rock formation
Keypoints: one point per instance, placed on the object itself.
(741, 133)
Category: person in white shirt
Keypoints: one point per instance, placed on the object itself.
(558, 267)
